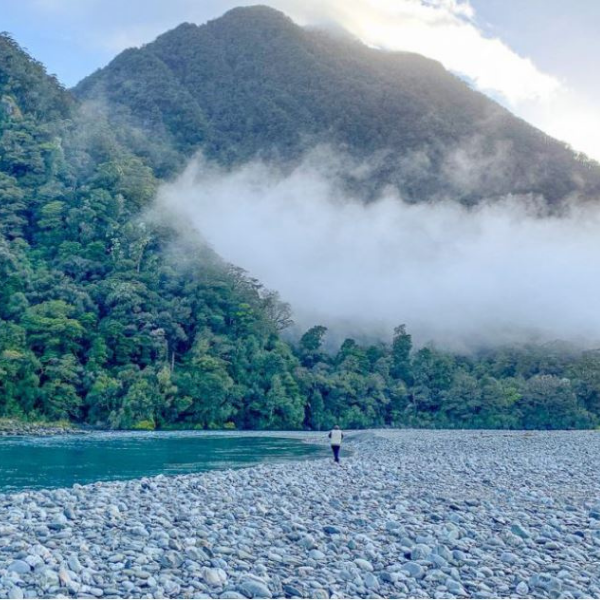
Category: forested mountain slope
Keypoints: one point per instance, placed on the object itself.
(101, 318)
(252, 83)
(109, 319)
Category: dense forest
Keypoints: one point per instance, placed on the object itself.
(108, 319)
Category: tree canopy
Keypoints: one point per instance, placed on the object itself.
(254, 84)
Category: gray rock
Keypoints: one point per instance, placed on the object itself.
(522, 589)
(64, 577)
(74, 564)
(59, 522)
(331, 530)
(15, 593)
(459, 556)
(519, 530)
(454, 587)
(171, 559)
(414, 570)
(509, 557)
(371, 581)
(545, 581)
(34, 561)
(438, 561)
(140, 531)
(444, 552)
(254, 589)
(420, 551)
(363, 564)
(48, 577)
(19, 566)
(214, 577)
(292, 592)
(308, 542)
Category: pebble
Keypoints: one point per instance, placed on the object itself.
(215, 577)
(331, 530)
(423, 514)
(254, 589)
(413, 569)
(19, 566)
(363, 564)
(371, 581)
(522, 589)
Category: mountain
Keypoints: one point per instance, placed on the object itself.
(110, 319)
(253, 84)
(27, 87)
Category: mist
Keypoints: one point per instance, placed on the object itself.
(501, 272)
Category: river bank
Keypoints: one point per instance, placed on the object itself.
(15, 428)
(409, 514)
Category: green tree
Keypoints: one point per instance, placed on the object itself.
(549, 402)
(401, 355)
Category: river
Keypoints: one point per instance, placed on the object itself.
(61, 461)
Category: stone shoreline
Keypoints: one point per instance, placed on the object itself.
(409, 514)
(13, 428)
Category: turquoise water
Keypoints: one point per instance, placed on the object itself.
(29, 462)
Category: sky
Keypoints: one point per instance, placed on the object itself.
(536, 57)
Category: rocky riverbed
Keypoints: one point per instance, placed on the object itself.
(409, 514)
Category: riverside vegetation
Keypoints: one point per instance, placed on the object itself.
(111, 320)
(417, 514)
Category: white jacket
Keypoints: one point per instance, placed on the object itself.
(336, 436)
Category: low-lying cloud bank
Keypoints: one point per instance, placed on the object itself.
(463, 278)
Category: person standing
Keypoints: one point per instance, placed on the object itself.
(336, 436)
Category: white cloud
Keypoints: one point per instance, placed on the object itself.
(568, 116)
(447, 31)
(463, 277)
(440, 29)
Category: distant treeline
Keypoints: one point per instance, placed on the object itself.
(109, 320)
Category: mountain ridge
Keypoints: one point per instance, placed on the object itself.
(252, 84)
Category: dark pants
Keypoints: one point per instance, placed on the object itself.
(336, 453)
